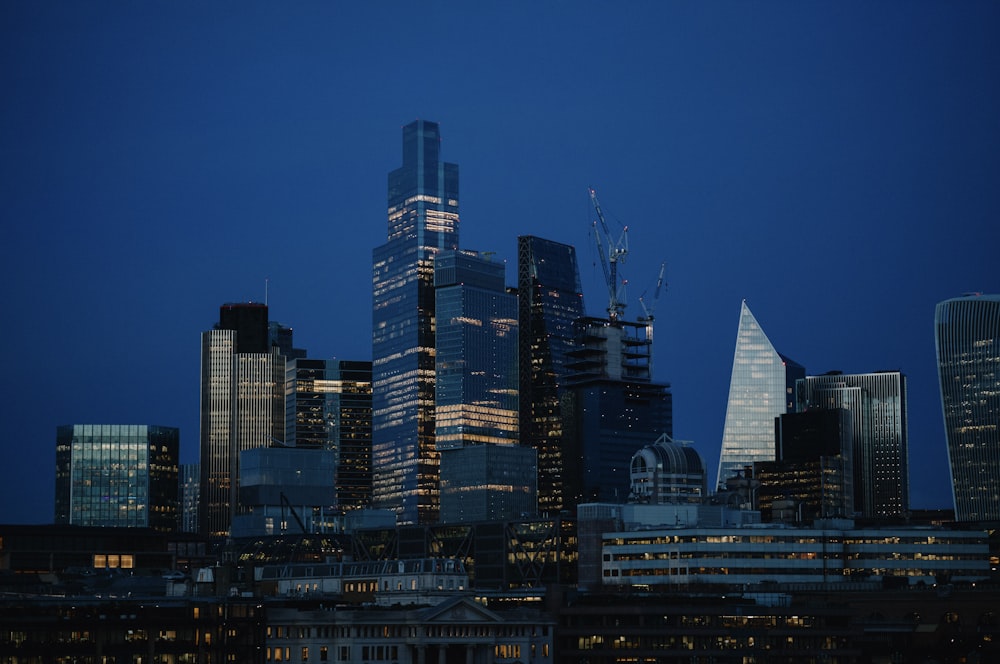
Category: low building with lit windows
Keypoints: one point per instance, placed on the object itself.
(456, 630)
(770, 554)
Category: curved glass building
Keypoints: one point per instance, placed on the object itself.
(967, 338)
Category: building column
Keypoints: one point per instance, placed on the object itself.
(442, 654)
(421, 654)
(470, 654)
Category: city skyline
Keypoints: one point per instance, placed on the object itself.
(820, 162)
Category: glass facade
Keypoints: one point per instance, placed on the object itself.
(762, 387)
(117, 476)
(487, 483)
(877, 403)
(422, 221)
(476, 360)
(550, 299)
(190, 496)
(967, 338)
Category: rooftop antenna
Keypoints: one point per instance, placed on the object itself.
(267, 283)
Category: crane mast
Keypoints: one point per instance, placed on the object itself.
(616, 253)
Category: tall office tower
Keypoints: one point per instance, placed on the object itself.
(877, 403)
(117, 476)
(189, 496)
(612, 408)
(812, 474)
(762, 387)
(328, 405)
(423, 220)
(242, 406)
(476, 393)
(967, 338)
(549, 300)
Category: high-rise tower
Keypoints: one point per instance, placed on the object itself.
(877, 403)
(967, 338)
(423, 220)
(477, 393)
(549, 300)
(242, 405)
(762, 387)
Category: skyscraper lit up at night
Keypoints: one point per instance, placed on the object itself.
(877, 404)
(422, 221)
(549, 301)
(762, 387)
(242, 404)
(967, 338)
(117, 476)
(476, 393)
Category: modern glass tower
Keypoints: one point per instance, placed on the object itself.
(476, 393)
(549, 300)
(422, 221)
(328, 406)
(117, 476)
(877, 403)
(967, 338)
(242, 405)
(762, 387)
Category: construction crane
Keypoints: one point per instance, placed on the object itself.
(647, 312)
(616, 253)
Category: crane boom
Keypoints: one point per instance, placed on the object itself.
(616, 253)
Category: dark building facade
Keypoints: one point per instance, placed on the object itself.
(812, 475)
(614, 407)
(422, 221)
(117, 476)
(550, 299)
(328, 406)
(880, 457)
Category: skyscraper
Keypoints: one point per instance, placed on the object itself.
(328, 406)
(422, 220)
(476, 393)
(877, 403)
(117, 476)
(242, 405)
(549, 300)
(967, 338)
(762, 387)
(612, 408)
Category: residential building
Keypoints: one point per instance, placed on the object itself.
(422, 221)
(762, 387)
(967, 339)
(550, 299)
(242, 404)
(877, 404)
(117, 476)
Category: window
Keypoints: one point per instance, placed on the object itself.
(305, 653)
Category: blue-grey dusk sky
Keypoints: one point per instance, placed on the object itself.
(836, 164)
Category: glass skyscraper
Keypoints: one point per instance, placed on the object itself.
(328, 406)
(117, 476)
(550, 299)
(485, 474)
(242, 405)
(877, 403)
(422, 221)
(762, 387)
(967, 338)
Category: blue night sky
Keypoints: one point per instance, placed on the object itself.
(836, 164)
